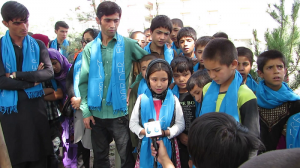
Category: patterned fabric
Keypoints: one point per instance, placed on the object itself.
(178, 163)
(51, 106)
(272, 117)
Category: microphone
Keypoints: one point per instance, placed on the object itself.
(154, 142)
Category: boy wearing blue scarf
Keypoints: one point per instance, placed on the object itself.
(177, 24)
(186, 40)
(61, 43)
(199, 48)
(103, 83)
(245, 61)
(227, 93)
(182, 68)
(22, 108)
(276, 101)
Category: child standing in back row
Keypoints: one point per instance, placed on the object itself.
(158, 103)
(199, 48)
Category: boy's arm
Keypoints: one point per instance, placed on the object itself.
(134, 119)
(250, 116)
(136, 51)
(56, 95)
(179, 125)
(138, 78)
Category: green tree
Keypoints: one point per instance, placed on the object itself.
(285, 38)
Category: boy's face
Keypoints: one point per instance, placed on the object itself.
(160, 36)
(174, 33)
(196, 92)
(198, 53)
(181, 79)
(141, 39)
(144, 66)
(273, 73)
(220, 73)
(17, 27)
(148, 36)
(244, 66)
(109, 24)
(61, 33)
(187, 45)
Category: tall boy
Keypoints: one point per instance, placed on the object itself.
(160, 30)
(245, 61)
(199, 48)
(227, 93)
(276, 101)
(177, 24)
(60, 43)
(182, 68)
(186, 38)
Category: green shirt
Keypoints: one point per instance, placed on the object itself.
(133, 52)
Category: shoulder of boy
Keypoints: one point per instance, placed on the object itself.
(245, 94)
(205, 88)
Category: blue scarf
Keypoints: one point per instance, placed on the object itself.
(165, 118)
(142, 87)
(196, 67)
(251, 83)
(269, 99)
(293, 132)
(168, 53)
(76, 73)
(178, 50)
(31, 59)
(229, 103)
(54, 84)
(63, 49)
(116, 94)
(175, 91)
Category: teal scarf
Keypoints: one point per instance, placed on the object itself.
(230, 101)
(116, 94)
(142, 87)
(293, 132)
(269, 99)
(251, 83)
(175, 91)
(165, 118)
(178, 50)
(168, 53)
(76, 73)
(31, 58)
(63, 49)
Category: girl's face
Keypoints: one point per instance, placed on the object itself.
(158, 81)
(56, 66)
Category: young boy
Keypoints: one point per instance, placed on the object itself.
(186, 38)
(137, 89)
(220, 35)
(60, 43)
(160, 30)
(199, 48)
(245, 61)
(227, 93)
(177, 25)
(182, 68)
(276, 101)
(148, 36)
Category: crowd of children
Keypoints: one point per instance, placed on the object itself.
(211, 111)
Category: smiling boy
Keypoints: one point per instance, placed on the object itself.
(227, 93)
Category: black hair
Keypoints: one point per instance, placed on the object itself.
(220, 35)
(220, 49)
(264, 57)
(148, 57)
(187, 32)
(148, 29)
(108, 8)
(61, 24)
(217, 140)
(182, 64)
(246, 52)
(134, 33)
(14, 10)
(202, 41)
(177, 22)
(93, 32)
(159, 65)
(199, 78)
(161, 21)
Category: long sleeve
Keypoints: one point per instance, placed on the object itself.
(179, 125)
(250, 116)
(70, 82)
(40, 75)
(134, 120)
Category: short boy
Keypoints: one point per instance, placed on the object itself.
(148, 36)
(245, 61)
(199, 48)
(160, 30)
(60, 43)
(227, 93)
(182, 70)
(276, 101)
(220, 35)
(177, 25)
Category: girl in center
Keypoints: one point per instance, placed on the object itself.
(158, 103)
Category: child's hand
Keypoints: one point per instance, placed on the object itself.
(162, 155)
(75, 102)
(183, 139)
